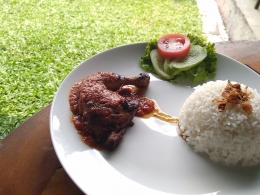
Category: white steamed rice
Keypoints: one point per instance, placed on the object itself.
(232, 136)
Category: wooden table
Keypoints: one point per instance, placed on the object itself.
(28, 163)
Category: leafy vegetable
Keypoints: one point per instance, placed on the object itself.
(201, 72)
(145, 60)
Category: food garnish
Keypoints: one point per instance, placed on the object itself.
(173, 46)
(233, 94)
(177, 55)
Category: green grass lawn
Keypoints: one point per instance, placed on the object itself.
(42, 41)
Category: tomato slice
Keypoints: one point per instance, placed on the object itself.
(173, 46)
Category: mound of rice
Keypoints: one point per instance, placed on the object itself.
(231, 136)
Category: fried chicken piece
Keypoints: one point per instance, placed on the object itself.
(100, 111)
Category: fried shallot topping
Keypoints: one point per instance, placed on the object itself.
(233, 94)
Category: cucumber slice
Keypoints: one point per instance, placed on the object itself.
(168, 70)
(158, 64)
(195, 56)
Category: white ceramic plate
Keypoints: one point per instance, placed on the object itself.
(151, 158)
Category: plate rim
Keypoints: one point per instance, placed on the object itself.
(80, 64)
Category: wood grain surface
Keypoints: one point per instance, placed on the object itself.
(246, 52)
(28, 163)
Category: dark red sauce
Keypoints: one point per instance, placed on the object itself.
(90, 141)
(87, 139)
(146, 106)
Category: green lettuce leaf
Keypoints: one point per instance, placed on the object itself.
(201, 72)
(145, 60)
